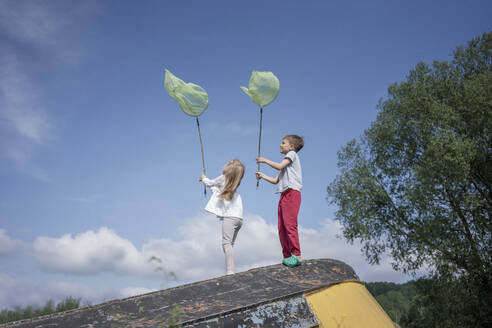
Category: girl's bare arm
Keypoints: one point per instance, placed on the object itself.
(209, 182)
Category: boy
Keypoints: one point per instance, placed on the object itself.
(289, 184)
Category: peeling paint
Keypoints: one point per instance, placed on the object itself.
(291, 312)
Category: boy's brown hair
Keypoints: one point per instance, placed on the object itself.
(296, 141)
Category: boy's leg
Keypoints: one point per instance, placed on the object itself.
(290, 210)
(282, 233)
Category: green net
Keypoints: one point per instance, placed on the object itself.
(263, 88)
(192, 98)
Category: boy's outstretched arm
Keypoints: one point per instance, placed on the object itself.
(261, 175)
(275, 165)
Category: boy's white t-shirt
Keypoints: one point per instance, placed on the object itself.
(219, 206)
(290, 177)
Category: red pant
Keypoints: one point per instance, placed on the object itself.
(288, 208)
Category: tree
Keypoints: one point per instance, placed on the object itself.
(31, 311)
(445, 302)
(395, 299)
(418, 182)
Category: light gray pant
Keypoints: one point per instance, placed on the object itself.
(230, 228)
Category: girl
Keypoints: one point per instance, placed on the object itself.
(226, 203)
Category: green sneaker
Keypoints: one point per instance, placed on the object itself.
(292, 261)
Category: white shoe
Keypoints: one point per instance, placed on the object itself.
(229, 272)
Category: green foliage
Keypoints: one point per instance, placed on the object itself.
(69, 303)
(418, 183)
(30, 311)
(395, 299)
(175, 317)
(447, 302)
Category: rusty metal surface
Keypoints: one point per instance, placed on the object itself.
(225, 297)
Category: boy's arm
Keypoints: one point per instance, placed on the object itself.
(261, 175)
(278, 166)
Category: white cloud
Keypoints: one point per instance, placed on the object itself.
(47, 25)
(133, 291)
(36, 25)
(17, 292)
(22, 118)
(19, 105)
(197, 254)
(326, 243)
(7, 245)
(89, 253)
(31, 21)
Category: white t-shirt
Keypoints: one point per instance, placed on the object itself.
(291, 175)
(219, 206)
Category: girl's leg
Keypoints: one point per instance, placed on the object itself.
(229, 233)
(238, 223)
(229, 258)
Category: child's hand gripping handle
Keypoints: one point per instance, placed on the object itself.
(258, 177)
(204, 186)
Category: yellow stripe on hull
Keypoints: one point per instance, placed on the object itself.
(347, 305)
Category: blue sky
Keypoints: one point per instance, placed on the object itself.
(99, 166)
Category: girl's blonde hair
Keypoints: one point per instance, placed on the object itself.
(233, 173)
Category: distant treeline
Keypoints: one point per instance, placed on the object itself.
(395, 299)
(32, 311)
(426, 302)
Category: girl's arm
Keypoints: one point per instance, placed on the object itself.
(211, 183)
(261, 175)
(275, 165)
